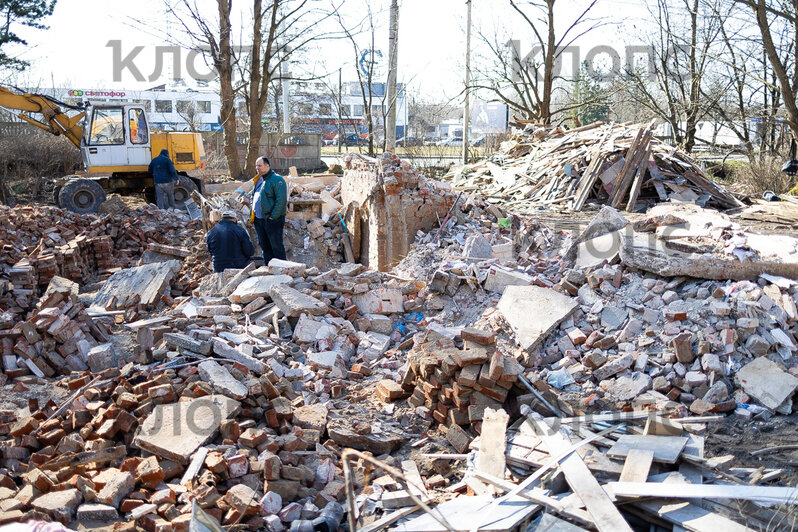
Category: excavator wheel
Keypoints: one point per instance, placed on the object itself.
(81, 196)
(183, 189)
(56, 192)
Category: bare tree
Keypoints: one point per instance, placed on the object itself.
(770, 15)
(527, 82)
(190, 114)
(363, 57)
(279, 30)
(679, 94)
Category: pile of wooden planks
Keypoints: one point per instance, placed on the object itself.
(621, 165)
(612, 472)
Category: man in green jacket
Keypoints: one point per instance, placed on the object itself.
(269, 200)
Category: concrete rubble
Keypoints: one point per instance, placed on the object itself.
(243, 392)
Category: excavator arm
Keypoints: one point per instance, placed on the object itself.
(52, 120)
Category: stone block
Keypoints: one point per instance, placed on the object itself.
(221, 380)
(521, 307)
(293, 302)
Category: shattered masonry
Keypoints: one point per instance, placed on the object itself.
(149, 384)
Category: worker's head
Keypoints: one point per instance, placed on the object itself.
(262, 165)
(228, 214)
(165, 152)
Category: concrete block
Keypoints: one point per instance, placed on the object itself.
(500, 278)
(533, 312)
(293, 302)
(221, 381)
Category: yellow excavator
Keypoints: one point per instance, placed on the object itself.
(116, 146)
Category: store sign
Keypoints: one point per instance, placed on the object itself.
(97, 93)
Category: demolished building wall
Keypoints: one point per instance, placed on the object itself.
(393, 201)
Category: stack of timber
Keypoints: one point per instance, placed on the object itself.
(621, 165)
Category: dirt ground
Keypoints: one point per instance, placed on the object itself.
(740, 437)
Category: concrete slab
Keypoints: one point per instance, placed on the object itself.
(293, 302)
(594, 252)
(500, 278)
(58, 504)
(221, 381)
(380, 301)
(177, 430)
(766, 382)
(255, 287)
(223, 350)
(477, 247)
(533, 312)
(775, 255)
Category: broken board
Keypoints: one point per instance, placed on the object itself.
(148, 282)
(667, 449)
(461, 513)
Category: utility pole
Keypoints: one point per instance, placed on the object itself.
(340, 113)
(393, 42)
(466, 106)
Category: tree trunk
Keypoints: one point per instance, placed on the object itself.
(779, 70)
(253, 99)
(548, 68)
(226, 93)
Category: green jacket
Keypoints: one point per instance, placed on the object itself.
(273, 196)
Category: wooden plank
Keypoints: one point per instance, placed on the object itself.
(637, 465)
(150, 321)
(765, 494)
(540, 497)
(633, 160)
(388, 519)
(462, 512)
(415, 483)
(84, 458)
(583, 483)
(349, 253)
(493, 442)
(194, 467)
(638, 181)
(690, 517)
(666, 449)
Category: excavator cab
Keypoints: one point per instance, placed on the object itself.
(117, 139)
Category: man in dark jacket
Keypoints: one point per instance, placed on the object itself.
(164, 175)
(229, 243)
(269, 202)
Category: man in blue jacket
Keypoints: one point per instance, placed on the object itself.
(229, 243)
(269, 204)
(164, 175)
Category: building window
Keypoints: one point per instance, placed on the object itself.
(376, 110)
(184, 106)
(325, 109)
(305, 109)
(358, 110)
(163, 106)
(204, 107)
(146, 104)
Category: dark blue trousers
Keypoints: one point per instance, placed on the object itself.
(270, 238)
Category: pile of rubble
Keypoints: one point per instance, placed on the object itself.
(620, 165)
(40, 243)
(267, 396)
(57, 338)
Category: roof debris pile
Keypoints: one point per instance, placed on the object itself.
(621, 165)
(288, 394)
